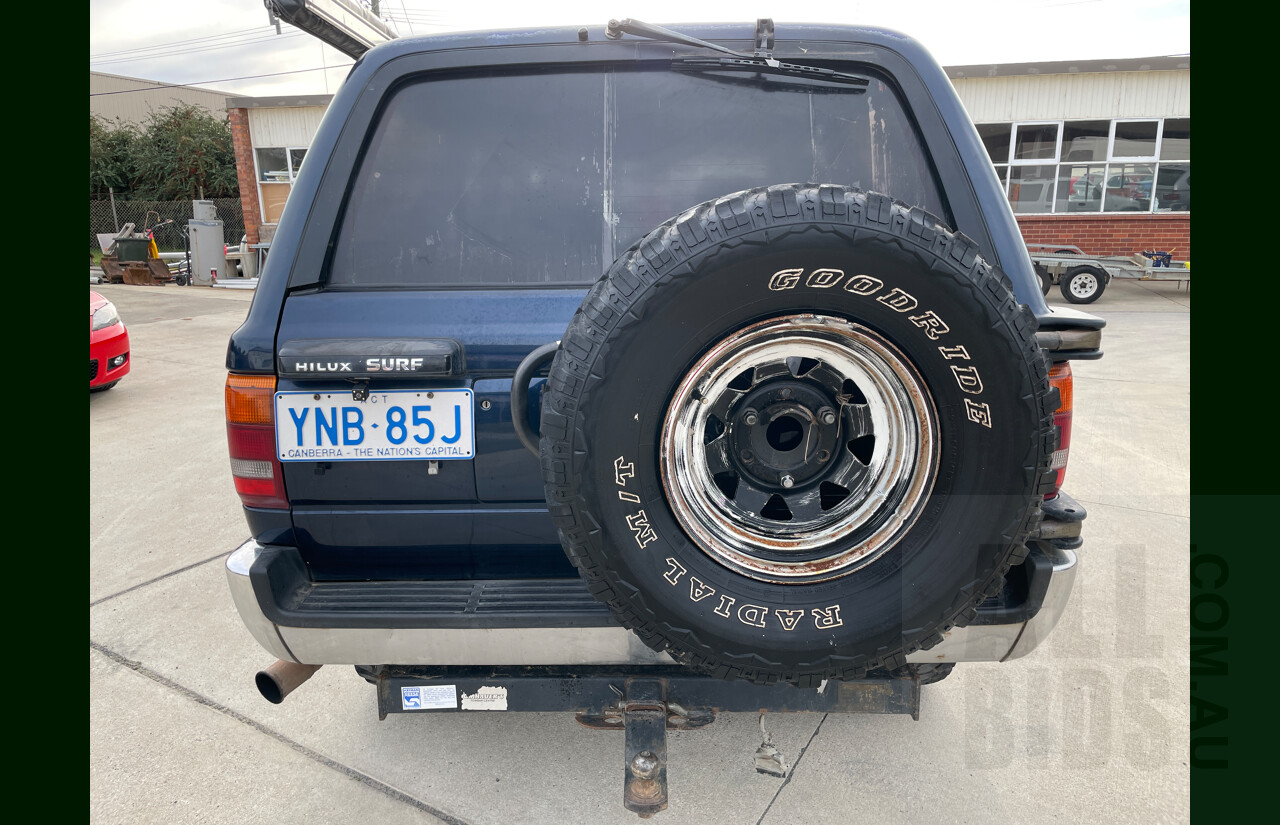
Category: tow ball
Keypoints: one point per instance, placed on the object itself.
(644, 715)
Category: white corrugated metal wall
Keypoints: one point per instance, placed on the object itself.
(132, 100)
(1103, 95)
(293, 126)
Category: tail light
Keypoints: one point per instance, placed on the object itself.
(251, 436)
(1060, 377)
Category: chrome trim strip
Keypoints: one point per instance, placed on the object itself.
(1065, 565)
(246, 602)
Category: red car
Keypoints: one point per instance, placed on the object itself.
(108, 344)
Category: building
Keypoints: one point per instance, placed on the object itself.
(270, 136)
(131, 100)
(1092, 153)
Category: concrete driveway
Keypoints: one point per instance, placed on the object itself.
(1092, 727)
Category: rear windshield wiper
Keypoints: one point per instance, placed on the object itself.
(762, 61)
(767, 66)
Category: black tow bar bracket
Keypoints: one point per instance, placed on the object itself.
(643, 701)
(644, 719)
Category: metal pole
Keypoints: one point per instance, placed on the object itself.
(112, 193)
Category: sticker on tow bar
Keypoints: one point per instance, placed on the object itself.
(387, 426)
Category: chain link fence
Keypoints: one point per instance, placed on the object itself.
(102, 220)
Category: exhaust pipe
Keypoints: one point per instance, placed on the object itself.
(281, 679)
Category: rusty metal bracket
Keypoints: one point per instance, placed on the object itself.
(644, 701)
(598, 694)
(644, 718)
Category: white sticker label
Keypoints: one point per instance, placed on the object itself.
(429, 697)
(486, 698)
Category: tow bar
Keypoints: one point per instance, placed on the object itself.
(644, 702)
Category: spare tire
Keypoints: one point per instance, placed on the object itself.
(797, 433)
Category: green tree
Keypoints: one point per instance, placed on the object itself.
(185, 153)
(112, 157)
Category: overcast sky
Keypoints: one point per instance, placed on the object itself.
(228, 45)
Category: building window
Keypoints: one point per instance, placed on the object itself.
(1036, 147)
(1173, 177)
(1135, 139)
(1121, 165)
(279, 165)
(277, 169)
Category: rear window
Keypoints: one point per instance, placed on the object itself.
(545, 178)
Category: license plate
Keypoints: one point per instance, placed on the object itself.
(387, 426)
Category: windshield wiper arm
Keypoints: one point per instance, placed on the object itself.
(762, 61)
(639, 28)
(768, 66)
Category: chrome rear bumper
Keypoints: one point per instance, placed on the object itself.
(989, 641)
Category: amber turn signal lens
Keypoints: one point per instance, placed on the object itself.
(249, 399)
(1060, 377)
(255, 468)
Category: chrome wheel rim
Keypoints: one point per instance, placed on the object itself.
(799, 448)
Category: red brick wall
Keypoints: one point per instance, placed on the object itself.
(239, 120)
(1112, 234)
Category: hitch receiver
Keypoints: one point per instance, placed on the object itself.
(644, 718)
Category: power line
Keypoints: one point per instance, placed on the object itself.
(406, 16)
(220, 80)
(210, 48)
(255, 30)
(415, 17)
(423, 21)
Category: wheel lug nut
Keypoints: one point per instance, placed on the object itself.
(788, 482)
(823, 455)
(747, 456)
(750, 417)
(786, 392)
(827, 415)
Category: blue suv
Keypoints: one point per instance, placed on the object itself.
(619, 368)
